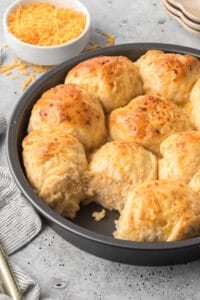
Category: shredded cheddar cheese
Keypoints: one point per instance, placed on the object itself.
(19, 68)
(14, 77)
(110, 41)
(46, 25)
(27, 81)
(110, 38)
(93, 47)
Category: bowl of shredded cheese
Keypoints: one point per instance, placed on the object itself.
(47, 32)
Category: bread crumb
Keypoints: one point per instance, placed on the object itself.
(99, 215)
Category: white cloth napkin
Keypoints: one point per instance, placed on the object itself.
(19, 224)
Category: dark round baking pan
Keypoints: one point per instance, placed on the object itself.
(85, 233)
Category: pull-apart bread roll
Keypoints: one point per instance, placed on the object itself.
(116, 168)
(193, 107)
(181, 156)
(56, 167)
(73, 110)
(160, 210)
(195, 182)
(114, 79)
(147, 120)
(169, 75)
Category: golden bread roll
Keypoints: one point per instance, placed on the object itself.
(73, 110)
(195, 182)
(147, 120)
(168, 75)
(56, 167)
(116, 168)
(181, 156)
(193, 107)
(160, 210)
(114, 79)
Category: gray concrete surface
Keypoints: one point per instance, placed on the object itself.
(63, 271)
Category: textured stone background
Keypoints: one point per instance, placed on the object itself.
(63, 271)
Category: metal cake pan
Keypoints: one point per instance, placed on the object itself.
(83, 232)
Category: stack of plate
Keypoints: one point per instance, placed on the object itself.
(186, 12)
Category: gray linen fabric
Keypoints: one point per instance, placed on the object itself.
(3, 123)
(19, 224)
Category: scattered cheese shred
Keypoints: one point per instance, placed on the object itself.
(46, 25)
(94, 47)
(7, 73)
(25, 69)
(109, 42)
(6, 68)
(99, 215)
(27, 81)
(110, 38)
(14, 77)
(25, 73)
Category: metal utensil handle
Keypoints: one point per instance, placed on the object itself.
(7, 278)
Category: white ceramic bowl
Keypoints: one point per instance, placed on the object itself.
(48, 55)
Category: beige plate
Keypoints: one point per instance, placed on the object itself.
(188, 28)
(179, 13)
(191, 8)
